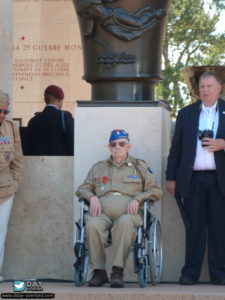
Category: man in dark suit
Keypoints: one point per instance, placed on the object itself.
(196, 169)
(51, 132)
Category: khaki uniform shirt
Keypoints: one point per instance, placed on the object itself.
(116, 185)
(11, 159)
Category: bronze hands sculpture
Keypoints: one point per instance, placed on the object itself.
(122, 44)
(121, 23)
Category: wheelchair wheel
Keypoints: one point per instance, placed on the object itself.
(80, 271)
(78, 277)
(155, 251)
(142, 275)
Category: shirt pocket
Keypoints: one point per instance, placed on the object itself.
(7, 154)
(6, 178)
(132, 185)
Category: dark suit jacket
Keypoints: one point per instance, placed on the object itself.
(183, 149)
(46, 133)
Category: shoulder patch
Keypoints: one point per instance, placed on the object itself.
(150, 171)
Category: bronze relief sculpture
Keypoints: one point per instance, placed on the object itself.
(121, 23)
(122, 46)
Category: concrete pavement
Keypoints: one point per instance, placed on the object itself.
(132, 291)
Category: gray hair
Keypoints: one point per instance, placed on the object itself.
(211, 74)
(4, 97)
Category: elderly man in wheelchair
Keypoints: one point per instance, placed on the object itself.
(115, 190)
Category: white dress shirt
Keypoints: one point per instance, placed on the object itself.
(208, 119)
(52, 106)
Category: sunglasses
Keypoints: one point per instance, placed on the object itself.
(121, 144)
(4, 111)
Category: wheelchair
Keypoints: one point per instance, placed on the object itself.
(147, 250)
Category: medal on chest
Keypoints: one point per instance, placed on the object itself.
(4, 140)
(6, 156)
(104, 181)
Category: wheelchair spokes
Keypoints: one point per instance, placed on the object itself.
(155, 251)
(148, 249)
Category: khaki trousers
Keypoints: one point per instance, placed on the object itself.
(123, 230)
(5, 209)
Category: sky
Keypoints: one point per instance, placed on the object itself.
(221, 24)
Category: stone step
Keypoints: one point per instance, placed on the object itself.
(132, 291)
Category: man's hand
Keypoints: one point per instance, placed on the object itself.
(213, 145)
(132, 208)
(95, 207)
(171, 187)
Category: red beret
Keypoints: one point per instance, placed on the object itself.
(55, 91)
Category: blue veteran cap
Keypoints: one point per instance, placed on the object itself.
(117, 134)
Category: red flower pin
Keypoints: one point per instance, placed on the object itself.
(104, 179)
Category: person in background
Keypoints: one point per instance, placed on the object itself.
(115, 189)
(196, 169)
(51, 132)
(11, 164)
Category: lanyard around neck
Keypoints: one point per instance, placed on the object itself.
(217, 106)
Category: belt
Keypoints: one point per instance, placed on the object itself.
(116, 194)
(204, 171)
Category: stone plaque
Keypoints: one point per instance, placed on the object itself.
(47, 50)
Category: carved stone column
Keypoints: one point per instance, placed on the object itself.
(122, 46)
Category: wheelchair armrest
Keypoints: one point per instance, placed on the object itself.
(150, 201)
(84, 200)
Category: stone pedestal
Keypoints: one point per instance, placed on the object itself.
(148, 125)
(39, 242)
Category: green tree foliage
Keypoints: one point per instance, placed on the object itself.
(190, 40)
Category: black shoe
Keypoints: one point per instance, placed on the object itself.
(219, 280)
(188, 280)
(116, 278)
(99, 278)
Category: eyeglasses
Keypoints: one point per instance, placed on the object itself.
(121, 144)
(4, 111)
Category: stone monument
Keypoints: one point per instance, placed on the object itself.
(122, 48)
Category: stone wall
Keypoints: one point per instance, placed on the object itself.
(40, 235)
(47, 50)
(6, 45)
